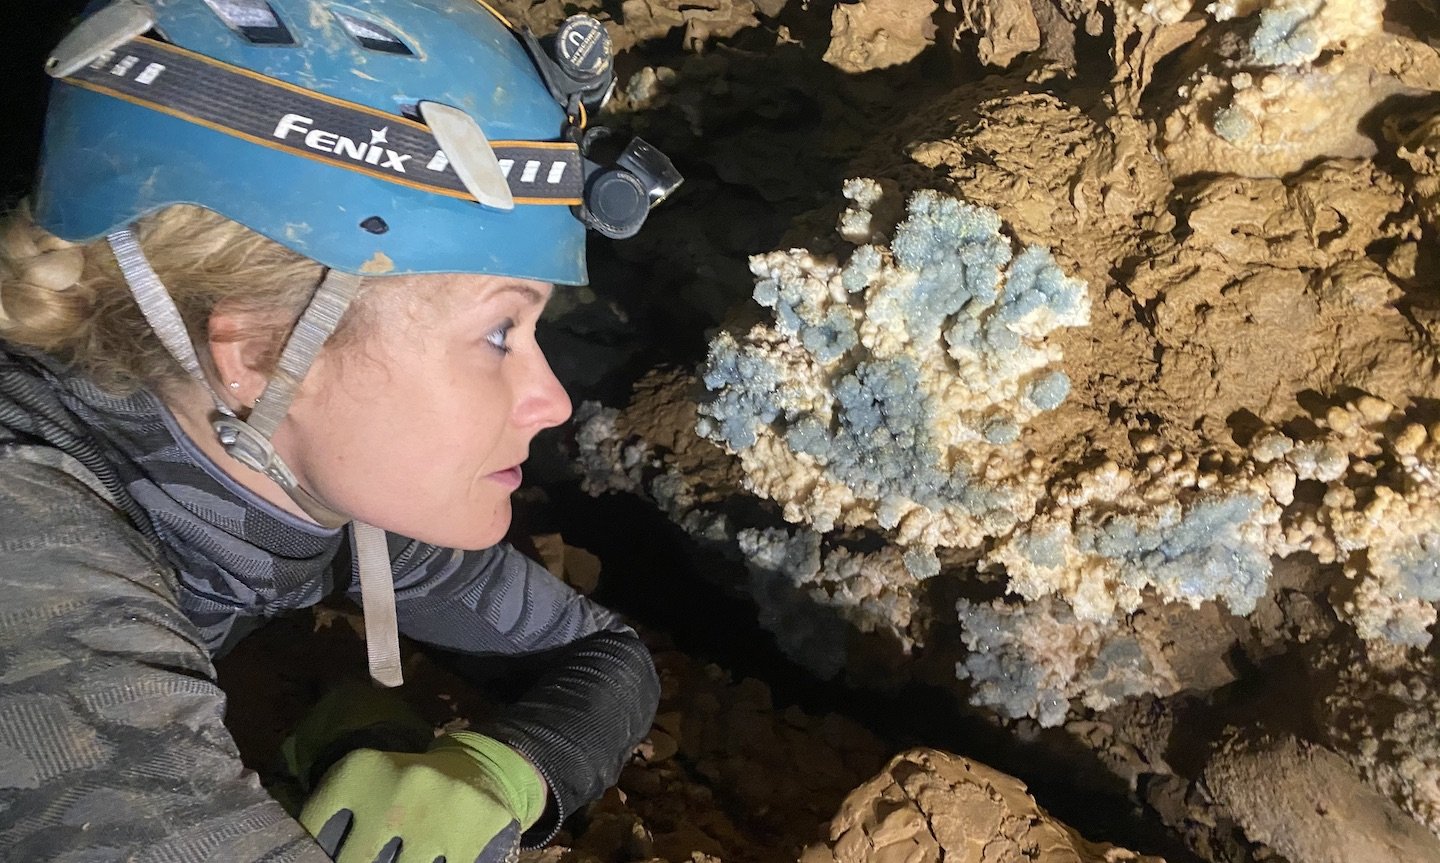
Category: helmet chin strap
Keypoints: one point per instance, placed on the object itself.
(248, 440)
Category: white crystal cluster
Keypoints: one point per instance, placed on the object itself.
(1109, 536)
(892, 388)
(1032, 658)
(1377, 478)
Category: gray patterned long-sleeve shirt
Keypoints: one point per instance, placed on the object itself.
(128, 560)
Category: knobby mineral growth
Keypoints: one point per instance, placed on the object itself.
(1111, 348)
(892, 389)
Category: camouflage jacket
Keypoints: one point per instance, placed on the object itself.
(128, 561)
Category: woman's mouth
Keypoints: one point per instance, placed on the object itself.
(509, 477)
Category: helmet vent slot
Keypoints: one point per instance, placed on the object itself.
(372, 36)
(252, 19)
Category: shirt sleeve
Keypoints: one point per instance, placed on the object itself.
(593, 691)
(111, 740)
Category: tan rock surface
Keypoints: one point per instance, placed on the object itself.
(1224, 281)
(1007, 28)
(1383, 722)
(874, 34)
(1306, 803)
(639, 21)
(929, 806)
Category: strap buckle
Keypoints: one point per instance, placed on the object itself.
(248, 446)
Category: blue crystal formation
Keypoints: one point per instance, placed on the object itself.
(1413, 566)
(872, 365)
(1187, 553)
(1233, 124)
(745, 384)
(957, 253)
(1286, 36)
(1190, 554)
(1003, 674)
(881, 445)
(1031, 659)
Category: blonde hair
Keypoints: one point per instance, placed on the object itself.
(72, 302)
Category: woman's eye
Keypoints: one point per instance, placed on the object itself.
(497, 337)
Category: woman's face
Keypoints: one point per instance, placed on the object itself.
(419, 425)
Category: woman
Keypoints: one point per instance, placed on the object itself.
(274, 312)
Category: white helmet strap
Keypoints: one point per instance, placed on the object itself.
(248, 440)
(159, 308)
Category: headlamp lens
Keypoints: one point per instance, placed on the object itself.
(617, 199)
(616, 204)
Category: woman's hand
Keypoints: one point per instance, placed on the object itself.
(467, 799)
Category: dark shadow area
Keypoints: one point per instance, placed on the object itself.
(1407, 17)
(34, 29)
(660, 577)
(1395, 118)
(1425, 411)
(1244, 425)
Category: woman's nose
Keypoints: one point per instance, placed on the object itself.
(545, 404)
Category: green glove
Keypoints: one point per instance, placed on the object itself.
(353, 715)
(467, 799)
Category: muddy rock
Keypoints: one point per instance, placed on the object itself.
(933, 806)
(1006, 29)
(874, 34)
(1383, 722)
(1305, 802)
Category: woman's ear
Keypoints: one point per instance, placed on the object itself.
(243, 349)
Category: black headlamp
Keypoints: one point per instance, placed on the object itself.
(576, 65)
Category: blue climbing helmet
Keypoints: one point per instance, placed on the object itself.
(373, 136)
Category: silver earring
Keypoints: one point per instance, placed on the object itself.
(234, 385)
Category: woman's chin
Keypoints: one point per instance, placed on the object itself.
(484, 531)
(474, 528)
